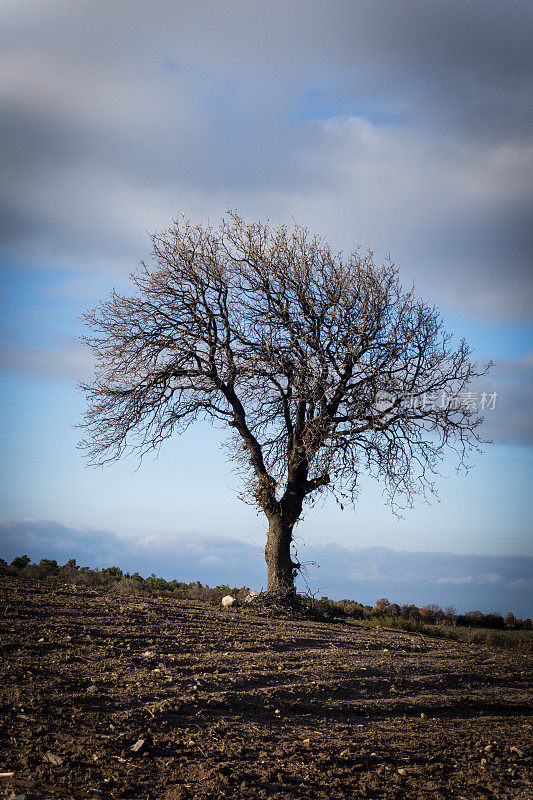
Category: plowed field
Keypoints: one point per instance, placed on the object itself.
(104, 695)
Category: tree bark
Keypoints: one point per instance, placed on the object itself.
(280, 567)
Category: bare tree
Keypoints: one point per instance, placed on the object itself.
(321, 366)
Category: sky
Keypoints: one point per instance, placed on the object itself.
(404, 127)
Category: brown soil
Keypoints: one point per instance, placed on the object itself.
(232, 704)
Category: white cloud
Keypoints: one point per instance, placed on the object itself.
(521, 583)
(491, 577)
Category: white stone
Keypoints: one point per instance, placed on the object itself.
(228, 601)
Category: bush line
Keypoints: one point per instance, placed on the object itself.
(431, 620)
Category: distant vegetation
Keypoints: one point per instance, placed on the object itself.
(114, 578)
(473, 626)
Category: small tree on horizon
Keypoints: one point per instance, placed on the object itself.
(320, 368)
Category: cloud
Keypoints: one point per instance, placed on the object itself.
(64, 363)
(184, 555)
(35, 536)
(468, 582)
(436, 205)
(491, 577)
(59, 357)
(511, 420)
(455, 581)
(406, 126)
(465, 581)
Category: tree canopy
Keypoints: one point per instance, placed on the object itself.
(321, 366)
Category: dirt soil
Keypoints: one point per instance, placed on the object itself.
(105, 695)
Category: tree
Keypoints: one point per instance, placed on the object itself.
(320, 368)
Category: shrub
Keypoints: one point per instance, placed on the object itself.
(68, 573)
(432, 613)
(88, 577)
(382, 607)
(127, 587)
(48, 566)
(493, 621)
(349, 608)
(326, 608)
(510, 621)
(471, 619)
(410, 612)
(398, 622)
(20, 562)
(114, 573)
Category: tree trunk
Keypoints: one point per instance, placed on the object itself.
(280, 567)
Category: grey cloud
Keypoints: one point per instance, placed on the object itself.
(37, 536)
(115, 120)
(59, 357)
(185, 556)
(470, 58)
(454, 217)
(466, 581)
(46, 363)
(511, 420)
(485, 582)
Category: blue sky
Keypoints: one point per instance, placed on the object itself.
(406, 127)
